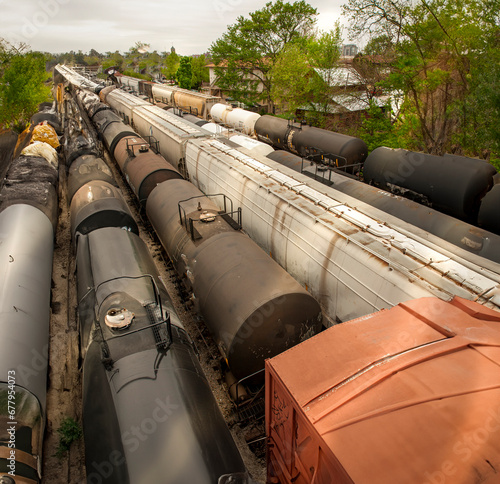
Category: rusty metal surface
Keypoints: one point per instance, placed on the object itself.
(253, 307)
(147, 170)
(389, 397)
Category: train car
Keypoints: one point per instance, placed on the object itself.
(353, 264)
(461, 234)
(26, 248)
(452, 184)
(196, 103)
(140, 370)
(405, 395)
(28, 217)
(343, 151)
(128, 82)
(141, 165)
(187, 116)
(148, 412)
(234, 311)
(489, 215)
(236, 118)
(253, 308)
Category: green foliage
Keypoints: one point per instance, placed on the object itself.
(172, 65)
(443, 56)
(247, 52)
(377, 128)
(138, 75)
(69, 432)
(199, 71)
(22, 89)
(290, 79)
(184, 73)
(113, 59)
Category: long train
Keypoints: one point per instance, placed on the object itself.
(28, 218)
(351, 262)
(195, 103)
(149, 415)
(251, 317)
(456, 185)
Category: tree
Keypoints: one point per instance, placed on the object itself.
(377, 128)
(172, 64)
(22, 89)
(184, 73)
(290, 79)
(200, 72)
(324, 53)
(247, 52)
(437, 44)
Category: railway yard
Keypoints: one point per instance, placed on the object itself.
(230, 304)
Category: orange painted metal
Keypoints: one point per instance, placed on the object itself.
(406, 395)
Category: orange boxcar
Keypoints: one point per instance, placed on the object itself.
(406, 395)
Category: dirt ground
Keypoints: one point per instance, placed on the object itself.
(64, 381)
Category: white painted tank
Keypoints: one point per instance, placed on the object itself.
(242, 120)
(354, 264)
(256, 147)
(215, 128)
(236, 118)
(219, 112)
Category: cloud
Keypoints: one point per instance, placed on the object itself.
(65, 25)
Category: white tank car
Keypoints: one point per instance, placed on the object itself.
(352, 263)
(236, 118)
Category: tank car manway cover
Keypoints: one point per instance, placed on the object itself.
(410, 394)
(119, 318)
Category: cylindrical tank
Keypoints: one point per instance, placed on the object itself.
(98, 204)
(215, 128)
(26, 248)
(111, 128)
(142, 168)
(304, 140)
(273, 130)
(219, 112)
(242, 120)
(489, 212)
(85, 169)
(339, 148)
(452, 184)
(154, 408)
(252, 145)
(253, 307)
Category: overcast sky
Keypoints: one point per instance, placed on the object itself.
(109, 25)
